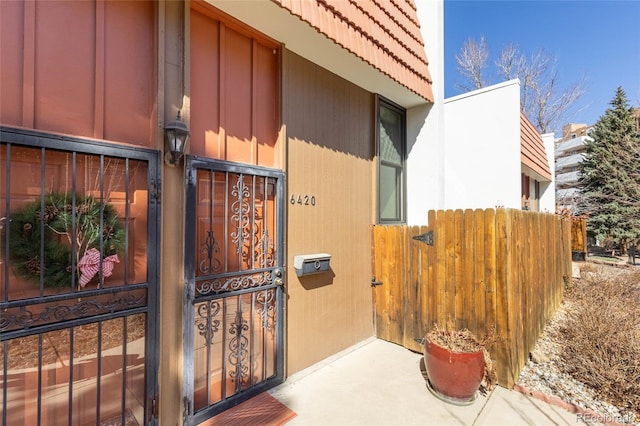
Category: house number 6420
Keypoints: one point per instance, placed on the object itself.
(303, 199)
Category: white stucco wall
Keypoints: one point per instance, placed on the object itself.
(425, 124)
(548, 190)
(482, 148)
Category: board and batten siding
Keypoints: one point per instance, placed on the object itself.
(330, 128)
(80, 68)
(234, 102)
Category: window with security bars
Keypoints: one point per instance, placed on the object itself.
(73, 284)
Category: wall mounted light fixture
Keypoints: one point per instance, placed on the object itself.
(176, 135)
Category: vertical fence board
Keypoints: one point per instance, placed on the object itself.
(517, 305)
(501, 294)
(469, 316)
(546, 224)
(536, 281)
(557, 278)
(579, 235)
(502, 301)
(433, 289)
(396, 281)
(382, 273)
(424, 296)
(514, 261)
(511, 289)
(490, 272)
(388, 276)
(378, 305)
(449, 266)
(479, 295)
(527, 274)
(567, 273)
(411, 295)
(555, 244)
(551, 272)
(459, 280)
(441, 270)
(541, 281)
(409, 288)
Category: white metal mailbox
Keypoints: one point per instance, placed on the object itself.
(307, 264)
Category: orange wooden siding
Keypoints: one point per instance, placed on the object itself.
(235, 91)
(532, 151)
(79, 67)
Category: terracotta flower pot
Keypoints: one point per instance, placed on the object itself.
(453, 376)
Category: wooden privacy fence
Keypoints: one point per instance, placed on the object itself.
(486, 267)
(579, 238)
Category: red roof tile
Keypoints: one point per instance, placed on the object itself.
(384, 33)
(532, 152)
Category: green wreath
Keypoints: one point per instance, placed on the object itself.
(58, 217)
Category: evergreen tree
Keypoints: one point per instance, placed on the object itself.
(610, 175)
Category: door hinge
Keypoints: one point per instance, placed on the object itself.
(155, 191)
(186, 412)
(190, 177)
(426, 238)
(153, 407)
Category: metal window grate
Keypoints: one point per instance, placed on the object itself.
(74, 320)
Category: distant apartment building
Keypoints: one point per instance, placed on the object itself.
(569, 150)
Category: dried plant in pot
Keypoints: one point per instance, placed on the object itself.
(458, 363)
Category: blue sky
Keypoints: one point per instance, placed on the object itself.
(599, 40)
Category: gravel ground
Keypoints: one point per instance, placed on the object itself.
(541, 373)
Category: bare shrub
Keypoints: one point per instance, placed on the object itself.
(601, 336)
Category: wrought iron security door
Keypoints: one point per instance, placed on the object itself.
(78, 282)
(234, 292)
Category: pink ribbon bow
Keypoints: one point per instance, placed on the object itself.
(89, 265)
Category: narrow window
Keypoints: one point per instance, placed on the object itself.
(391, 154)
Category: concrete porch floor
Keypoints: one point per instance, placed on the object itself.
(380, 383)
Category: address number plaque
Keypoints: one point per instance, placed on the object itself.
(302, 199)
